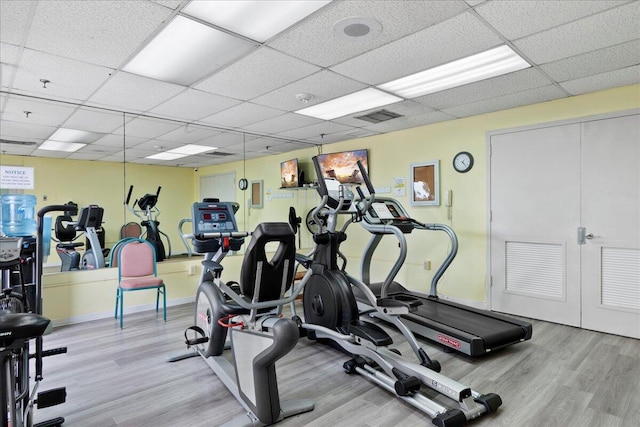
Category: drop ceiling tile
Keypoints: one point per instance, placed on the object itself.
(316, 130)
(225, 140)
(193, 105)
(608, 80)
(14, 21)
(531, 96)
(157, 146)
(25, 131)
(323, 86)
(282, 123)
(313, 40)
(16, 149)
(94, 120)
(147, 128)
(595, 62)
(474, 2)
(119, 141)
(68, 79)
(49, 153)
(188, 134)
(99, 32)
(519, 18)
(614, 26)
(41, 112)
(453, 39)
(134, 93)
(8, 59)
(242, 115)
(171, 4)
(502, 85)
(258, 73)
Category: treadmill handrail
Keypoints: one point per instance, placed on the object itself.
(390, 228)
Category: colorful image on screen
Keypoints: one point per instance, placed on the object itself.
(289, 173)
(343, 166)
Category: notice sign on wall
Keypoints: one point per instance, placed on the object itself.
(16, 177)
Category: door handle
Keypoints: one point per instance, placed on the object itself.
(589, 236)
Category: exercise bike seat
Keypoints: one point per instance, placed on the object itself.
(15, 328)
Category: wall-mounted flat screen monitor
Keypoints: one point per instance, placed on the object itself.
(289, 174)
(343, 165)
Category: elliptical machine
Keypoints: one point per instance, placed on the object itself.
(149, 221)
(90, 222)
(331, 316)
(242, 318)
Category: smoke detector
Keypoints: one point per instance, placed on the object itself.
(357, 29)
(304, 97)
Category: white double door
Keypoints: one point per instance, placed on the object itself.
(565, 223)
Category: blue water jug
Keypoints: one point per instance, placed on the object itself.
(18, 214)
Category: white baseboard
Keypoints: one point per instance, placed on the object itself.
(127, 310)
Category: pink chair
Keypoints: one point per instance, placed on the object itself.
(137, 271)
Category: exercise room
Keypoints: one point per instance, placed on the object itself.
(320, 212)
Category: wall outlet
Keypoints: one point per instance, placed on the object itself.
(192, 270)
(427, 265)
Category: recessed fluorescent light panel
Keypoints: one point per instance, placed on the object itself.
(492, 63)
(69, 147)
(359, 101)
(191, 149)
(184, 151)
(186, 51)
(258, 20)
(69, 140)
(166, 156)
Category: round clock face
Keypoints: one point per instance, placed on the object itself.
(243, 184)
(463, 161)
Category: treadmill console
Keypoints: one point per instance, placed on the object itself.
(213, 217)
(385, 211)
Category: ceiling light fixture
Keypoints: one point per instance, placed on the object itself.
(184, 151)
(185, 51)
(359, 101)
(491, 63)
(258, 19)
(69, 147)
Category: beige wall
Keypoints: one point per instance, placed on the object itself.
(83, 294)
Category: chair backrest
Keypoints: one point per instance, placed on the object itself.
(136, 258)
(275, 276)
(64, 231)
(115, 250)
(130, 229)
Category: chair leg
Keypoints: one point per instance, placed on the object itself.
(164, 301)
(115, 315)
(157, 298)
(121, 308)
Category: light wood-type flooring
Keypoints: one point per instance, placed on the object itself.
(563, 377)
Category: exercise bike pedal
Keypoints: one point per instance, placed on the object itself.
(51, 397)
(201, 339)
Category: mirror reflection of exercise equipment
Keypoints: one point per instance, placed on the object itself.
(148, 213)
(65, 229)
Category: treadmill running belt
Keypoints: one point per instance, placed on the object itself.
(494, 332)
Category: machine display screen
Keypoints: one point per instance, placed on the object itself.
(211, 217)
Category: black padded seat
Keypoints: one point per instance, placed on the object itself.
(17, 327)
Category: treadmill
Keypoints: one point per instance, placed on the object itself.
(458, 327)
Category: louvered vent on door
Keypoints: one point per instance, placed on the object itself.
(537, 269)
(621, 278)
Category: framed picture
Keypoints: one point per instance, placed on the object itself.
(256, 194)
(425, 183)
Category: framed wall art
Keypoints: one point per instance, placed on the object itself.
(425, 183)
